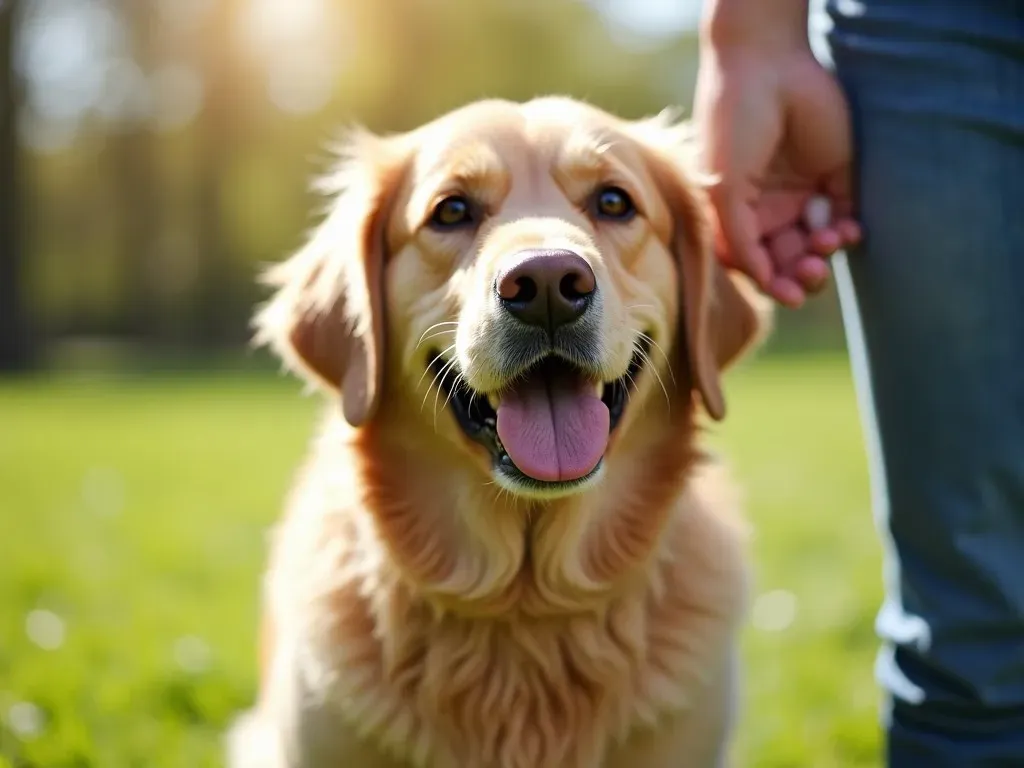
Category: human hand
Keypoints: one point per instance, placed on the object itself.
(775, 138)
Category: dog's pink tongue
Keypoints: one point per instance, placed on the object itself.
(553, 426)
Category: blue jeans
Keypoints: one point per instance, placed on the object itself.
(934, 306)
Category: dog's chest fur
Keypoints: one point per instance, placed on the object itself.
(437, 690)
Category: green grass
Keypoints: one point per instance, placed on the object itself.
(132, 517)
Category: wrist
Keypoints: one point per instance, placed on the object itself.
(759, 26)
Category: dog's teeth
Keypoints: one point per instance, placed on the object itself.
(494, 399)
(599, 389)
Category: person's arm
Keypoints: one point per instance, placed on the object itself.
(767, 24)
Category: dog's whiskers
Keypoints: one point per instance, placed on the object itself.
(657, 376)
(434, 379)
(631, 379)
(445, 370)
(458, 380)
(424, 337)
(425, 370)
(436, 334)
(649, 363)
(657, 346)
(472, 395)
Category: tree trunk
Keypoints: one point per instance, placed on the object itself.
(15, 347)
(133, 155)
(213, 295)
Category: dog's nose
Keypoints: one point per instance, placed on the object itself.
(547, 288)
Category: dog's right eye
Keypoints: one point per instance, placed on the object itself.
(453, 211)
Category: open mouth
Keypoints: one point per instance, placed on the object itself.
(549, 427)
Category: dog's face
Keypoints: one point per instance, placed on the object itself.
(536, 270)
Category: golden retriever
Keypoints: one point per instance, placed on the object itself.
(506, 549)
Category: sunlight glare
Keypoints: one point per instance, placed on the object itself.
(270, 23)
(297, 42)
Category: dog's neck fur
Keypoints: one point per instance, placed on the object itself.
(487, 553)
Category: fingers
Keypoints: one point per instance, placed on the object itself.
(798, 271)
(849, 232)
(790, 264)
(842, 234)
(812, 272)
(787, 292)
(800, 250)
(825, 242)
(738, 235)
(793, 289)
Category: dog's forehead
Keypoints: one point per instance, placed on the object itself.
(497, 131)
(551, 113)
(558, 114)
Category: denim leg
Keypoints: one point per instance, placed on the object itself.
(934, 306)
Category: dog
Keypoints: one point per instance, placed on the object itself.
(507, 548)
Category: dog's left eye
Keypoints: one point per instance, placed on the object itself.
(453, 211)
(614, 203)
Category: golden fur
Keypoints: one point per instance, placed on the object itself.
(419, 612)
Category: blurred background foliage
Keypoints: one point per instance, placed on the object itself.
(157, 152)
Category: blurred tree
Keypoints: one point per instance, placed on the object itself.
(213, 310)
(133, 150)
(15, 348)
(423, 57)
(197, 194)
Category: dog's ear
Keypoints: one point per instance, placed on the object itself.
(326, 317)
(721, 313)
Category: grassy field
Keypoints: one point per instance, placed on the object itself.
(132, 514)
